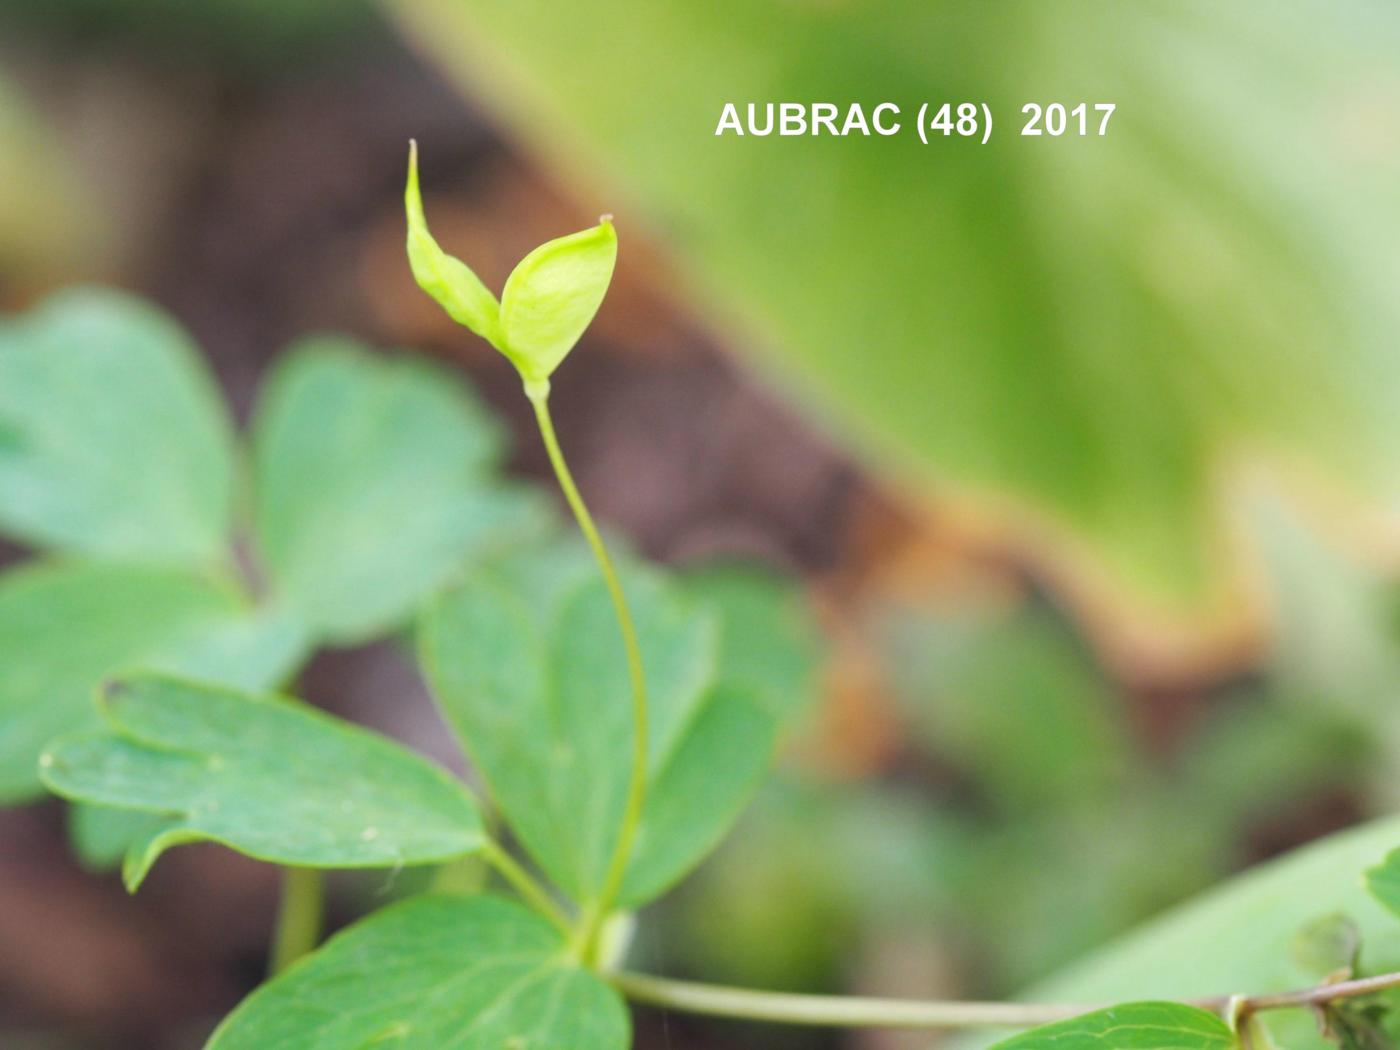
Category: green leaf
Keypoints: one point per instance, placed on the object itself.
(472, 973)
(265, 776)
(1133, 1026)
(446, 278)
(538, 691)
(765, 675)
(1237, 937)
(64, 627)
(374, 484)
(698, 788)
(1077, 337)
(768, 640)
(257, 651)
(113, 439)
(551, 297)
(1383, 881)
(101, 836)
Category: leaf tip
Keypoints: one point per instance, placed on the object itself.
(136, 865)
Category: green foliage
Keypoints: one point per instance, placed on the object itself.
(1239, 936)
(1017, 704)
(265, 776)
(1088, 328)
(374, 487)
(473, 973)
(375, 481)
(535, 684)
(112, 438)
(101, 836)
(373, 484)
(1016, 707)
(63, 627)
(1133, 1026)
(1383, 881)
(549, 298)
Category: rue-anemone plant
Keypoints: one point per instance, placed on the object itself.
(617, 717)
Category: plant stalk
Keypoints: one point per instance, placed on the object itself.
(596, 911)
(861, 1012)
(299, 916)
(833, 1010)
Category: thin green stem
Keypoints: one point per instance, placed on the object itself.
(528, 887)
(859, 1012)
(834, 1011)
(299, 916)
(596, 911)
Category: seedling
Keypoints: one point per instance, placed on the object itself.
(618, 716)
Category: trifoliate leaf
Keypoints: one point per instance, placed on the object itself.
(538, 692)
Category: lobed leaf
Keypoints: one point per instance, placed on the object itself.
(1133, 1026)
(374, 483)
(265, 776)
(100, 836)
(539, 695)
(472, 973)
(113, 439)
(526, 661)
(64, 627)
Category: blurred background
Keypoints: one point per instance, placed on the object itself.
(1084, 449)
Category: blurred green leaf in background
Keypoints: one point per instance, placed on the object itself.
(1091, 329)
